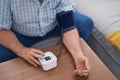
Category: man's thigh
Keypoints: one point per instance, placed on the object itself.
(6, 54)
(84, 25)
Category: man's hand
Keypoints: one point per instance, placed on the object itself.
(29, 54)
(82, 66)
(32, 55)
(72, 41)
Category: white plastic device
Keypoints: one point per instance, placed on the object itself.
(49, 61)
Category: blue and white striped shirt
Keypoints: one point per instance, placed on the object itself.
(30, 17)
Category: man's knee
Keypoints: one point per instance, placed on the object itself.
(6, 54)
(84, 25)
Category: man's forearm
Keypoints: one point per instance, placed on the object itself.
(71, 40)
(9, 40)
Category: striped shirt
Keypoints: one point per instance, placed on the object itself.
(30, 17)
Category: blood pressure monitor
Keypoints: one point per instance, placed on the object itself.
(49, 61)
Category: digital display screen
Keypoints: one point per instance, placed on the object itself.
(47, 58)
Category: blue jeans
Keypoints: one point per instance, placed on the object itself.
(83, 23)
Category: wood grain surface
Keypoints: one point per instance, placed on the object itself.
(18, 69)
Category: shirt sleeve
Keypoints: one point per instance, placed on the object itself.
(5, 15)
(65, 5)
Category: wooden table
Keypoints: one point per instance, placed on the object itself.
(18, 69)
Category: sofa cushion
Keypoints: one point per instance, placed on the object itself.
(105, 14)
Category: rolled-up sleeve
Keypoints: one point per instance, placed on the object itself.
(5, 15)
(65, 5)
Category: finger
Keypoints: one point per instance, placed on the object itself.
(80, 73)
(77, 71)
(87, 64)
(37, 56)
(39, 52)
(85, 71)
(32, 63)
(83, 74)
(35, 61)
